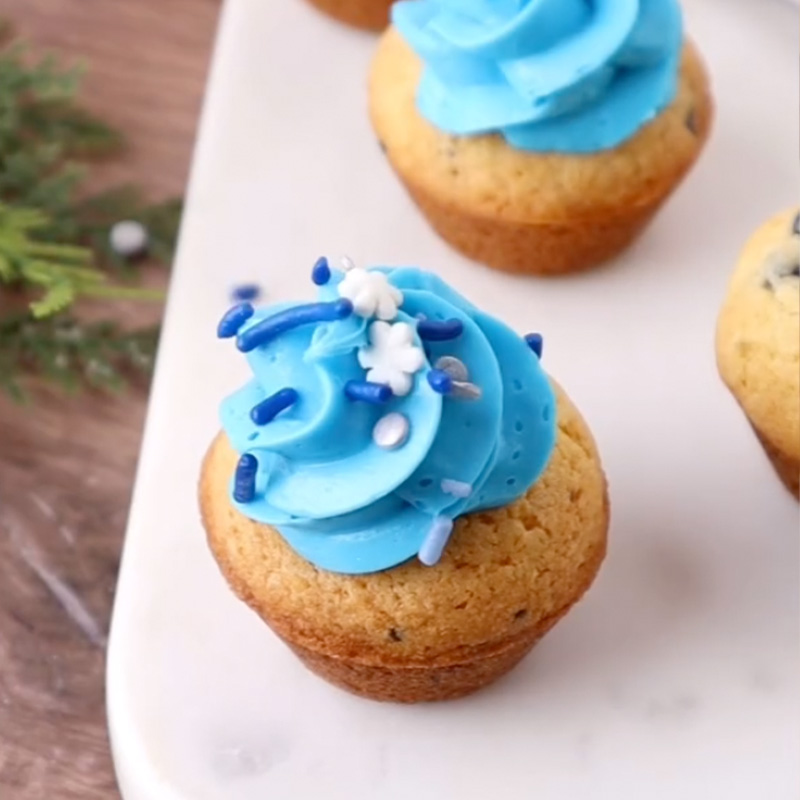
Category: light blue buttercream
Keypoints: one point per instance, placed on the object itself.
(570, 76)
(340, 500)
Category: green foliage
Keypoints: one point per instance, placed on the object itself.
(54, 240)
(95, 215)
(71, 354)
(61, 270)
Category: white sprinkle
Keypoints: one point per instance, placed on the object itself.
(435, 541)
(128, 238)
(391, 431)
(347, 263)
(456, 488)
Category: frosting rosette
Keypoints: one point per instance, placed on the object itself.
(573, 76)
(379, 414)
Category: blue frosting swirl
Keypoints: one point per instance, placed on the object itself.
(573, 76)
(338, 498)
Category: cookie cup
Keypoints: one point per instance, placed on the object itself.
(371, 15)
(758, 345)
(417, 633)
(525, 212)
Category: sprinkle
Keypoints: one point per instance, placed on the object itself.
(453, 366)
(440, 381)
(392, 356)
(244, 483)
(535, 342)
(347, 263)
(456, 488)
(464, 390)
(233, 320)
(371, 294)
(391, 431)
(247, 291)
(434, 331)
(457, 370)
(129, 238)
(269, 408)
(368, 392)
(268, 329)
(435, 541)
(321, 272)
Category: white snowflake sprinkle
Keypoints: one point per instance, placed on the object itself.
(392, 356)
(371, 293)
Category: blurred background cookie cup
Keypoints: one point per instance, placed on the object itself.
(371, 15)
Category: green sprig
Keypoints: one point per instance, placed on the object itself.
(72, 354)
(54, 240)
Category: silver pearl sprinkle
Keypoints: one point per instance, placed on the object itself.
(457, 370)
(464, 390)
(453, 366)
(391, 431)
(128, 238)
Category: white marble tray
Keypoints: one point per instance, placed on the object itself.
(677, 677)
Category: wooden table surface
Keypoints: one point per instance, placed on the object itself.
(67, 464)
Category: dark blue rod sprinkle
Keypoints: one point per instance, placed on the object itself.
(321, 273)
(270, 328)
(440, 381)
(269, 408)
(367, 392)
(535, 342)
(233, 320)
(244, 482)
(434, 331)
(246, 291)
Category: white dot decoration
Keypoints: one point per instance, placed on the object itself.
(128, 238)
(391, 431)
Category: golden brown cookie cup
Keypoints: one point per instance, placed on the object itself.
(416, 633)
(371, 15)
(758, 342)
(535, 213)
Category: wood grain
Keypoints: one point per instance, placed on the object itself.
(66, 465)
